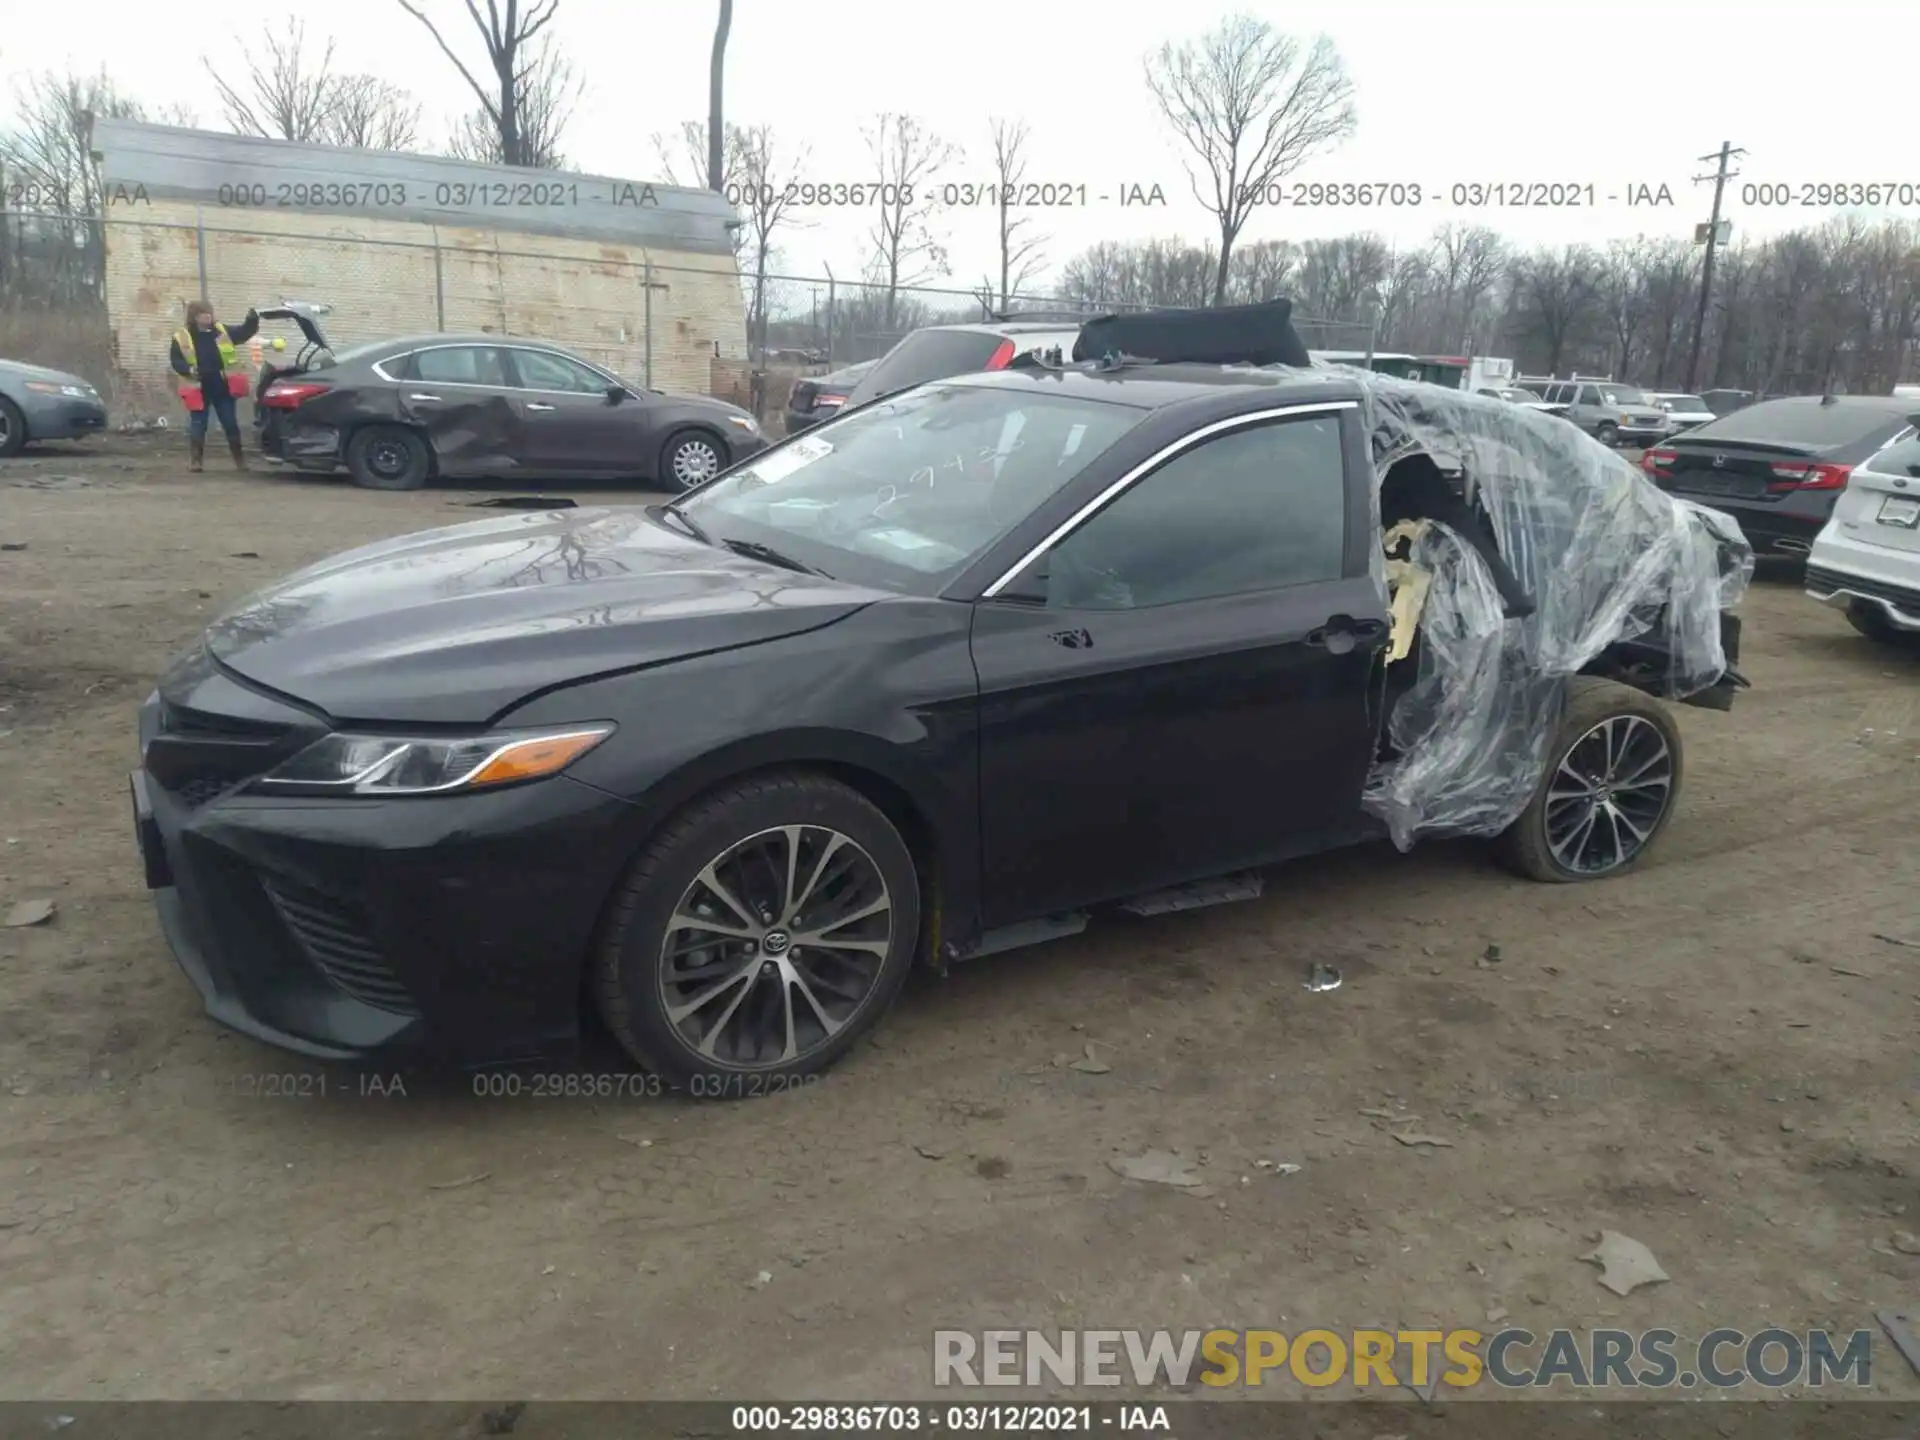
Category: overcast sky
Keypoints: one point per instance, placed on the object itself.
(1617, 95)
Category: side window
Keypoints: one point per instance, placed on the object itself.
(461, 365)
(1255, 509)
(540, 370)
(1589, 395)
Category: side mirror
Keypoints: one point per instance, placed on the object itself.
(616, 394)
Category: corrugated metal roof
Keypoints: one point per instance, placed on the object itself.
(237, 174)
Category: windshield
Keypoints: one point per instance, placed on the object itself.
(1690, 403)
(1519, 396)
(1623, 395)
(905, 493)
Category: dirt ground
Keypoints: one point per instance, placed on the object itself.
(1714, 1055)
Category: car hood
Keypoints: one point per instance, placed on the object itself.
(456, 626)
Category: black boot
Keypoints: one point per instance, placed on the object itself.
(196, 453)
(233, 449)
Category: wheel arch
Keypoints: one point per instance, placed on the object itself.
(941, 839)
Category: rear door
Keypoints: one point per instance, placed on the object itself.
(462, 398)
(571, 426)
(1180, 685)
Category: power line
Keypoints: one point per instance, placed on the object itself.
(1720, 176)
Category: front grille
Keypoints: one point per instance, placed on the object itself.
(197, 757)
(1825, 582)
(334, 940)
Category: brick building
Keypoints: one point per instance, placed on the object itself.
(637, 276)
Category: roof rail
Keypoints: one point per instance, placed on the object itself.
(1009, 317)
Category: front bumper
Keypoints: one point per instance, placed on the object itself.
(60, 417)
(742, 446)
(451, 928)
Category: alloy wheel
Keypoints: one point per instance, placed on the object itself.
(1608, 794)
(6, 429)
(776, 945)
(694, 463)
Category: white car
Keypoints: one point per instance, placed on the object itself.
(1866, 559)
(1684, 411)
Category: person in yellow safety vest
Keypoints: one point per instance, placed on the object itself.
(202, 352)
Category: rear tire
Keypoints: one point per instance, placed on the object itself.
(388, 457)
(690, 458)
(13, 429)
(747, 1006)
(1615, 754)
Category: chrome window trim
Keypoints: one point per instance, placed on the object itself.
(1151, 463)
(379, 367)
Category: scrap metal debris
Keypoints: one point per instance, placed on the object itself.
(1896, 940)
(1090, 1063)
(463, 1182)
(29, 912)
(1406, 1138)
(1157, 1167)
(1322, 978)
(520, 502)
(1625, 1263)
(1900, 1325)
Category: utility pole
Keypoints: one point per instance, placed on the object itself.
(1720, 176)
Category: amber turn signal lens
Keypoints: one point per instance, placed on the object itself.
(531, 759)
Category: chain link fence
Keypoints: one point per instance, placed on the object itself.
(102, 298)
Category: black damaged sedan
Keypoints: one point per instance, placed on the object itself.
(940, 677)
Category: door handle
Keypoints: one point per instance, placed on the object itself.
(1072, 639)
(536, 405)
(1342, 633)
(423, 397)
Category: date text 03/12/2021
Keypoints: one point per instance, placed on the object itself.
(1305, 194)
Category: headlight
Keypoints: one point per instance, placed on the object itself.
(744, 422)
(77, 392)
(344, 764)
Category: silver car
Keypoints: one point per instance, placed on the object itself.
(1612, 412)
(41, 404)
(1684, 411)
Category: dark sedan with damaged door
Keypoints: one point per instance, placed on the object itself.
(945, 676)
(401, 412)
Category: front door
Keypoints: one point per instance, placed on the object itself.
(1182, 686)
(572, 427)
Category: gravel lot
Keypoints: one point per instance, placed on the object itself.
(1715, 1056)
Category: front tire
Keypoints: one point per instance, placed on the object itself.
(388, 457)
(1607, 434)
(1613, 776)
(766, 929)
(13, 428)
(690, 458)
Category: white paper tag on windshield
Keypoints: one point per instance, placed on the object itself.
(789, 458)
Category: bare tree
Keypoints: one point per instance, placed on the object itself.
(519, 83)
(1556, 297)
(1253, 105)
(48, 167)
(1263, 270)
(716, 100)
(546, 91)
(906, 156)
(372, 114)
(683, 156)
(287, 96)
(1020, 256)
(766, 196)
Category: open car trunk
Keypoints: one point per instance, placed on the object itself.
(312, 353)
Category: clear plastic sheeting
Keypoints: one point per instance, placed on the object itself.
(1605, 556)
